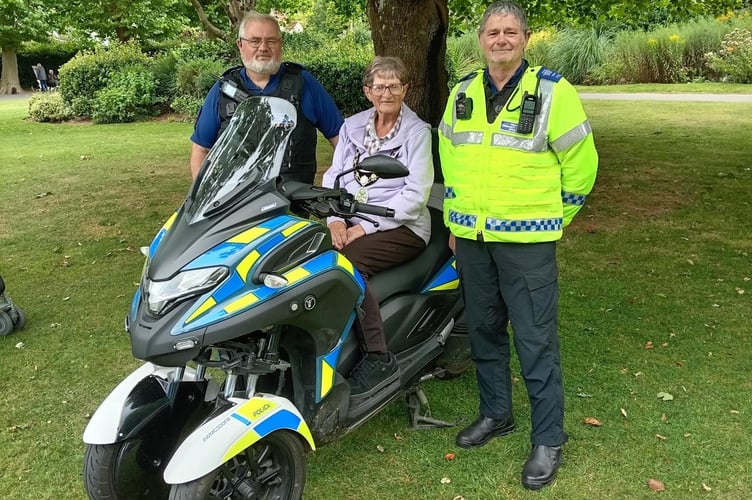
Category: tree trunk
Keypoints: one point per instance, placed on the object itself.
(415, 31)
(9, 82)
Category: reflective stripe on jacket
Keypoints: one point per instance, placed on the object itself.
(504, 186)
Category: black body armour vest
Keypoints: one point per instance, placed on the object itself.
(300, 161)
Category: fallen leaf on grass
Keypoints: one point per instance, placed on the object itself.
(664, 418)
(649, 344)
(20, 345)
(450, 456)
(706, 487)
(398, 437)
(593, 421)
(740, 291)
(624, 412)
(380, 448)
(665, 396)
(445, 480)
(656, 485)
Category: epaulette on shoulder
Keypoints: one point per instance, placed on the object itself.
(548, 74)
(468, 76)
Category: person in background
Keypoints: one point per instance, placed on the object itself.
(393, 129)
(41, 75)
(263, 73)
(52, 80)
(518, 159)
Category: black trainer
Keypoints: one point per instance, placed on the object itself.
(373, 373)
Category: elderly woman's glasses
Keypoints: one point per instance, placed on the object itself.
(394, 88)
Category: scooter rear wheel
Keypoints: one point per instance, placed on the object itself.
(273, 467)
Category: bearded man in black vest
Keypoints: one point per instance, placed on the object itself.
(263, 73)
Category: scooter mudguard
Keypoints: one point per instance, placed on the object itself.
(137, 400)
(232, 431)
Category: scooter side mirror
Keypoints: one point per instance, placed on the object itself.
(384, 166)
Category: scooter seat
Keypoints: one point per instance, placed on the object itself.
(414, 274)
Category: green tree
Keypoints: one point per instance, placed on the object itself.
(220, 18)
(124, 20)
(20, 21)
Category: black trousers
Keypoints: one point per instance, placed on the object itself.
(505, 283)
(374, 253)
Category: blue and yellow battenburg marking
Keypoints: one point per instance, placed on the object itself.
(264, 416)
(326, 364)
(445, 279)
(161, 234)
(238, 293)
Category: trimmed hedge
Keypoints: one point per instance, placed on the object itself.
(87, 73)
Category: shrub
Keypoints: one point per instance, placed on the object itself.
(538, 51)
(700, 36)
(186, 105)
(194, 78)
(130, 95)
(87, 73)
(339, 68)
(221, 51)
(463, 55)
(577, 51)
(49, 107)
(637, 57)
(735, 56)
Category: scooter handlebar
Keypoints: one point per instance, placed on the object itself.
(365, 208)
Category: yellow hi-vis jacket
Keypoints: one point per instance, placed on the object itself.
(502, 186)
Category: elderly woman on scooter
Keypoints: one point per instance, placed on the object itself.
(388, 128)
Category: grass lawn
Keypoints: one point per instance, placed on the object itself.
(656, 298)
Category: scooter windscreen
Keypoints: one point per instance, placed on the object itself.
(247, 154)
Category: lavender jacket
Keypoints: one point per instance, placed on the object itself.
(408, 196)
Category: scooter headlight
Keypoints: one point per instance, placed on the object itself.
(162, 295)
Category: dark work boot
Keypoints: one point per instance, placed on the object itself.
(482, 430)
(373, 373)
(541, 466)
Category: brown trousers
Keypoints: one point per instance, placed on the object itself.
(374, 253)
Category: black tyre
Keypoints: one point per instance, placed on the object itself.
(6, 323)
(272, 468)
(19, 318)
(123, 471)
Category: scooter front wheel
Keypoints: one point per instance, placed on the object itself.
(273, 467)
(123, 471)
(6, 323)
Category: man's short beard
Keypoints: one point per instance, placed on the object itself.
(263, 68)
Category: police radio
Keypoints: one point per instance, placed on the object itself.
(463, 106)
(528, 110)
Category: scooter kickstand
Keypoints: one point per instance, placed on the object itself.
(420, 413)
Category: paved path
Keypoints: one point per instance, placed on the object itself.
(685, 97)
